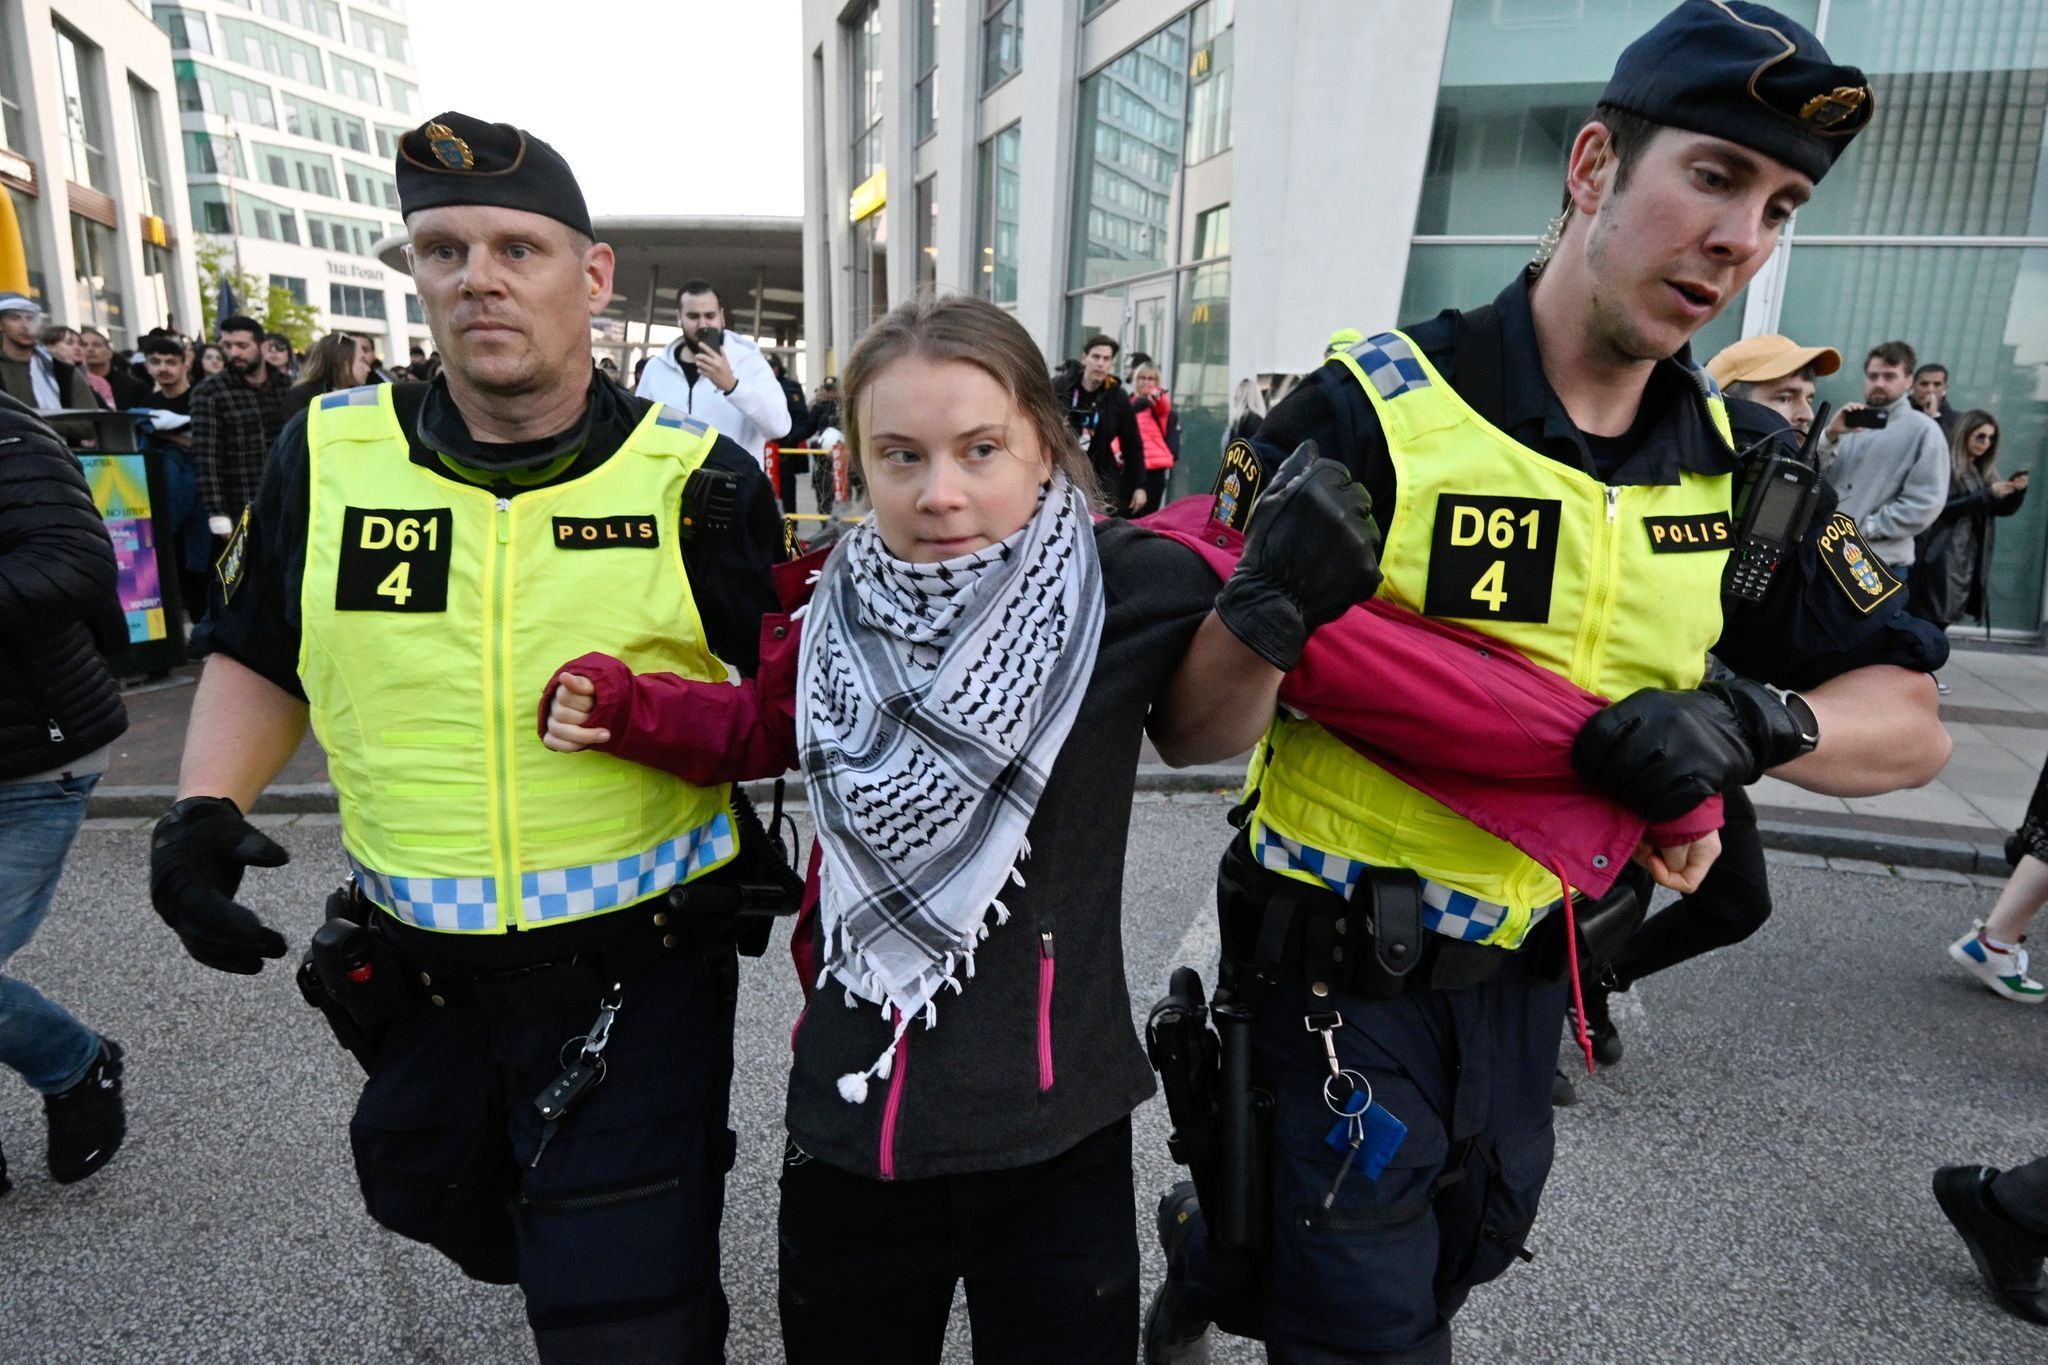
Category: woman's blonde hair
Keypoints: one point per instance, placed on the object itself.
(1959, 449)
(959, 327)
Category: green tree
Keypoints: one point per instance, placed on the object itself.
(272, 305)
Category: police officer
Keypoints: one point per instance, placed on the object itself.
(1522, 459)
(420, 559)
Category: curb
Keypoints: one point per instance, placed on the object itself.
(1893, 850)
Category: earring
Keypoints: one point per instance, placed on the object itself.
(1546, 246)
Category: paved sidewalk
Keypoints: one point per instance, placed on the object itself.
(1997, 711)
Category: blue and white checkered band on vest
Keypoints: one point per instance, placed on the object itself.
(1451, 913)
(559, 893)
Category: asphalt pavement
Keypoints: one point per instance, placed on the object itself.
(1750, 1184)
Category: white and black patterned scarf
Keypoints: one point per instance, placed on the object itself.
(932, 701)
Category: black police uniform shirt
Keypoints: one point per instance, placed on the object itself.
(258, 623)
(1814, 623)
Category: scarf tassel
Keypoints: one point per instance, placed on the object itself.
(1016, 876)
(853, 1086)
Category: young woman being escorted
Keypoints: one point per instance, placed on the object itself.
(979, 662)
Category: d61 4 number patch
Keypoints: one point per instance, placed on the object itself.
(394, 559)
(1492, 559)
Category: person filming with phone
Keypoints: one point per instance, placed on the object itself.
(718, 377)
(1887, 459)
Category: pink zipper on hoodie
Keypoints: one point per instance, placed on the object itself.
(1045, 975)
(894, 1104)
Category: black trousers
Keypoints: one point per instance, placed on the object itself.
(1378, 1275)
(1049, 1253)
(2023, 1193)
(614, 1234)
(1731, 904)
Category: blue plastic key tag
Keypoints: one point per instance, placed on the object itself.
(1377, 1134)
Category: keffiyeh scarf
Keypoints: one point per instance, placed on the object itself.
(932, 701)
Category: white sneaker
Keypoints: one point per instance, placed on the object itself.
(2004, 971)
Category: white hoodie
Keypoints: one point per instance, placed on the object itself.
(753, 414)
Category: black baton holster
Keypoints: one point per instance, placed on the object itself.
(349, 976)
(1222, 1125)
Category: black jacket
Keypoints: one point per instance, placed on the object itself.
(58, 701)
(1102, 420)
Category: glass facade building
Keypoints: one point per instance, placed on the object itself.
(292, 110)
(1101, 169)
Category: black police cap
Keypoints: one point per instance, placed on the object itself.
(1748, 74)
(454, 159)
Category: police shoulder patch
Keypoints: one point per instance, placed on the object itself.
(1856, 569)
(234, 559)
(1237, 485)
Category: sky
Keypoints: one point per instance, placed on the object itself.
(660, 106)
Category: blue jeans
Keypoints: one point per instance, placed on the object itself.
(38, 821)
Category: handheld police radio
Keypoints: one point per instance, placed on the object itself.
(1778, 496)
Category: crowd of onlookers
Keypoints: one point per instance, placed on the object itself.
(1920, 477)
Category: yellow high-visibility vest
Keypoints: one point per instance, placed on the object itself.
(433, 613)
(1613, 587)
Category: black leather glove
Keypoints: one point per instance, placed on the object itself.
(1662, 753)
(1312, 553)
(196, 857)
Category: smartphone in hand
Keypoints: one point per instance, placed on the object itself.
(708, 339)
(1868, 419)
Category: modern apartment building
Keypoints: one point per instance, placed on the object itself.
(91, 164)
(1221, 184)
(291, 112)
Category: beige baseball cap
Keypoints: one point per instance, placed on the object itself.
(1754, 360)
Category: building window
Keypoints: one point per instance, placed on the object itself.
(366, 186)
(187, 30)
(355, 79)
(355, 301)
(1209, 80)
(995, 217)
(307, 119)
(78, 80)
(926, 210)
(291, 284)
(870, 234)
(265, 48)
(405, 96)
(352, 235)
(12, 134)
(414, 314)
(149, 148)
(380, 36)
(1089, 7)
(96, 288)
(1132, 129)
(315, 16)
(1002, 42)
(387, 141)
(206, 154)
(287, 168)
(925, 95)
(202, 87)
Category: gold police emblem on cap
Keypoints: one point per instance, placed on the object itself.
(1836, 107)
(448, 149)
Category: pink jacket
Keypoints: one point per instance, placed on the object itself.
(1395, 686)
